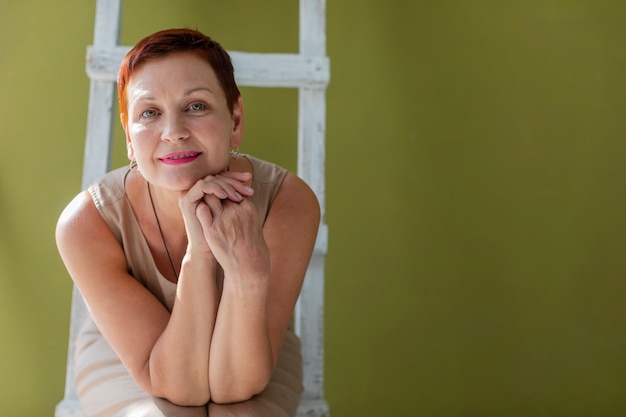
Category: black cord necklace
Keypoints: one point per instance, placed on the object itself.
(169, 257)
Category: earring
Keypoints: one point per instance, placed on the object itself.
(133, 167)
(234, 152)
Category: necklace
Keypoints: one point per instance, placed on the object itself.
(169, 257)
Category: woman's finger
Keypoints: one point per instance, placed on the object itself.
(243, 181)
(225, 186)
(241, 176)
(214, 204)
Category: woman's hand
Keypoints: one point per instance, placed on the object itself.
(230, 225)
(234, 233)
(227, 186)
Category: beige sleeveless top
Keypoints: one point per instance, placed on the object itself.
(103, 385)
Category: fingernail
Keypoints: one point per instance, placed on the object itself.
(248, 189)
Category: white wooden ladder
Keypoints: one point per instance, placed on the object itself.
(309, 72)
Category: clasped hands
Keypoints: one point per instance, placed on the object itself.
(221, 222)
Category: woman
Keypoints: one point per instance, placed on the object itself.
(191, 260)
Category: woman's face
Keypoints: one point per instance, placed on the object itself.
(179, 126)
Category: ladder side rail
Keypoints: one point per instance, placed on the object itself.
(106, 32)
(96, 164)
(309, 313)
(97, 155)
(312, 39)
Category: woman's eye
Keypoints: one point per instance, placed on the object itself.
(148, 113)
(197, 107)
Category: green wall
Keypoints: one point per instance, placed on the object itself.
(476, 189)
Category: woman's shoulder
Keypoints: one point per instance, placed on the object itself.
(90, 207)
(109, 188)
(99, 192)
(266, 172)
(79, 222)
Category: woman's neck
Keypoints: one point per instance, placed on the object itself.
(164, 204)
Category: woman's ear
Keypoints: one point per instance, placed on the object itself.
(236, 136)
(130, 151)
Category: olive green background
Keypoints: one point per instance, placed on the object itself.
(476, 187)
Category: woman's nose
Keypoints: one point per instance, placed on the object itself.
(174, 128)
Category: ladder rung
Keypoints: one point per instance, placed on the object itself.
(251, 69)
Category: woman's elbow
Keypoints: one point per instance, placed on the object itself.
(232, 397)
(184, 396)
(187, 399)
(188, 391)
(243, 392)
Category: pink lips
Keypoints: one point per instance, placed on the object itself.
(180, 158)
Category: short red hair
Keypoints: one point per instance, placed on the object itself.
(163, 43)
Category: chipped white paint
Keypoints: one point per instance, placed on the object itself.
(309, 71)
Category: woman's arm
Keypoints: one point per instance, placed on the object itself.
(167, 355)
(193, 355)
(263, 276)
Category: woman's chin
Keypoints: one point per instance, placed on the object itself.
(177, 183)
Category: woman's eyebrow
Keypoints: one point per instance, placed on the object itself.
(146, 95)
(193, 90)
(141, 95)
